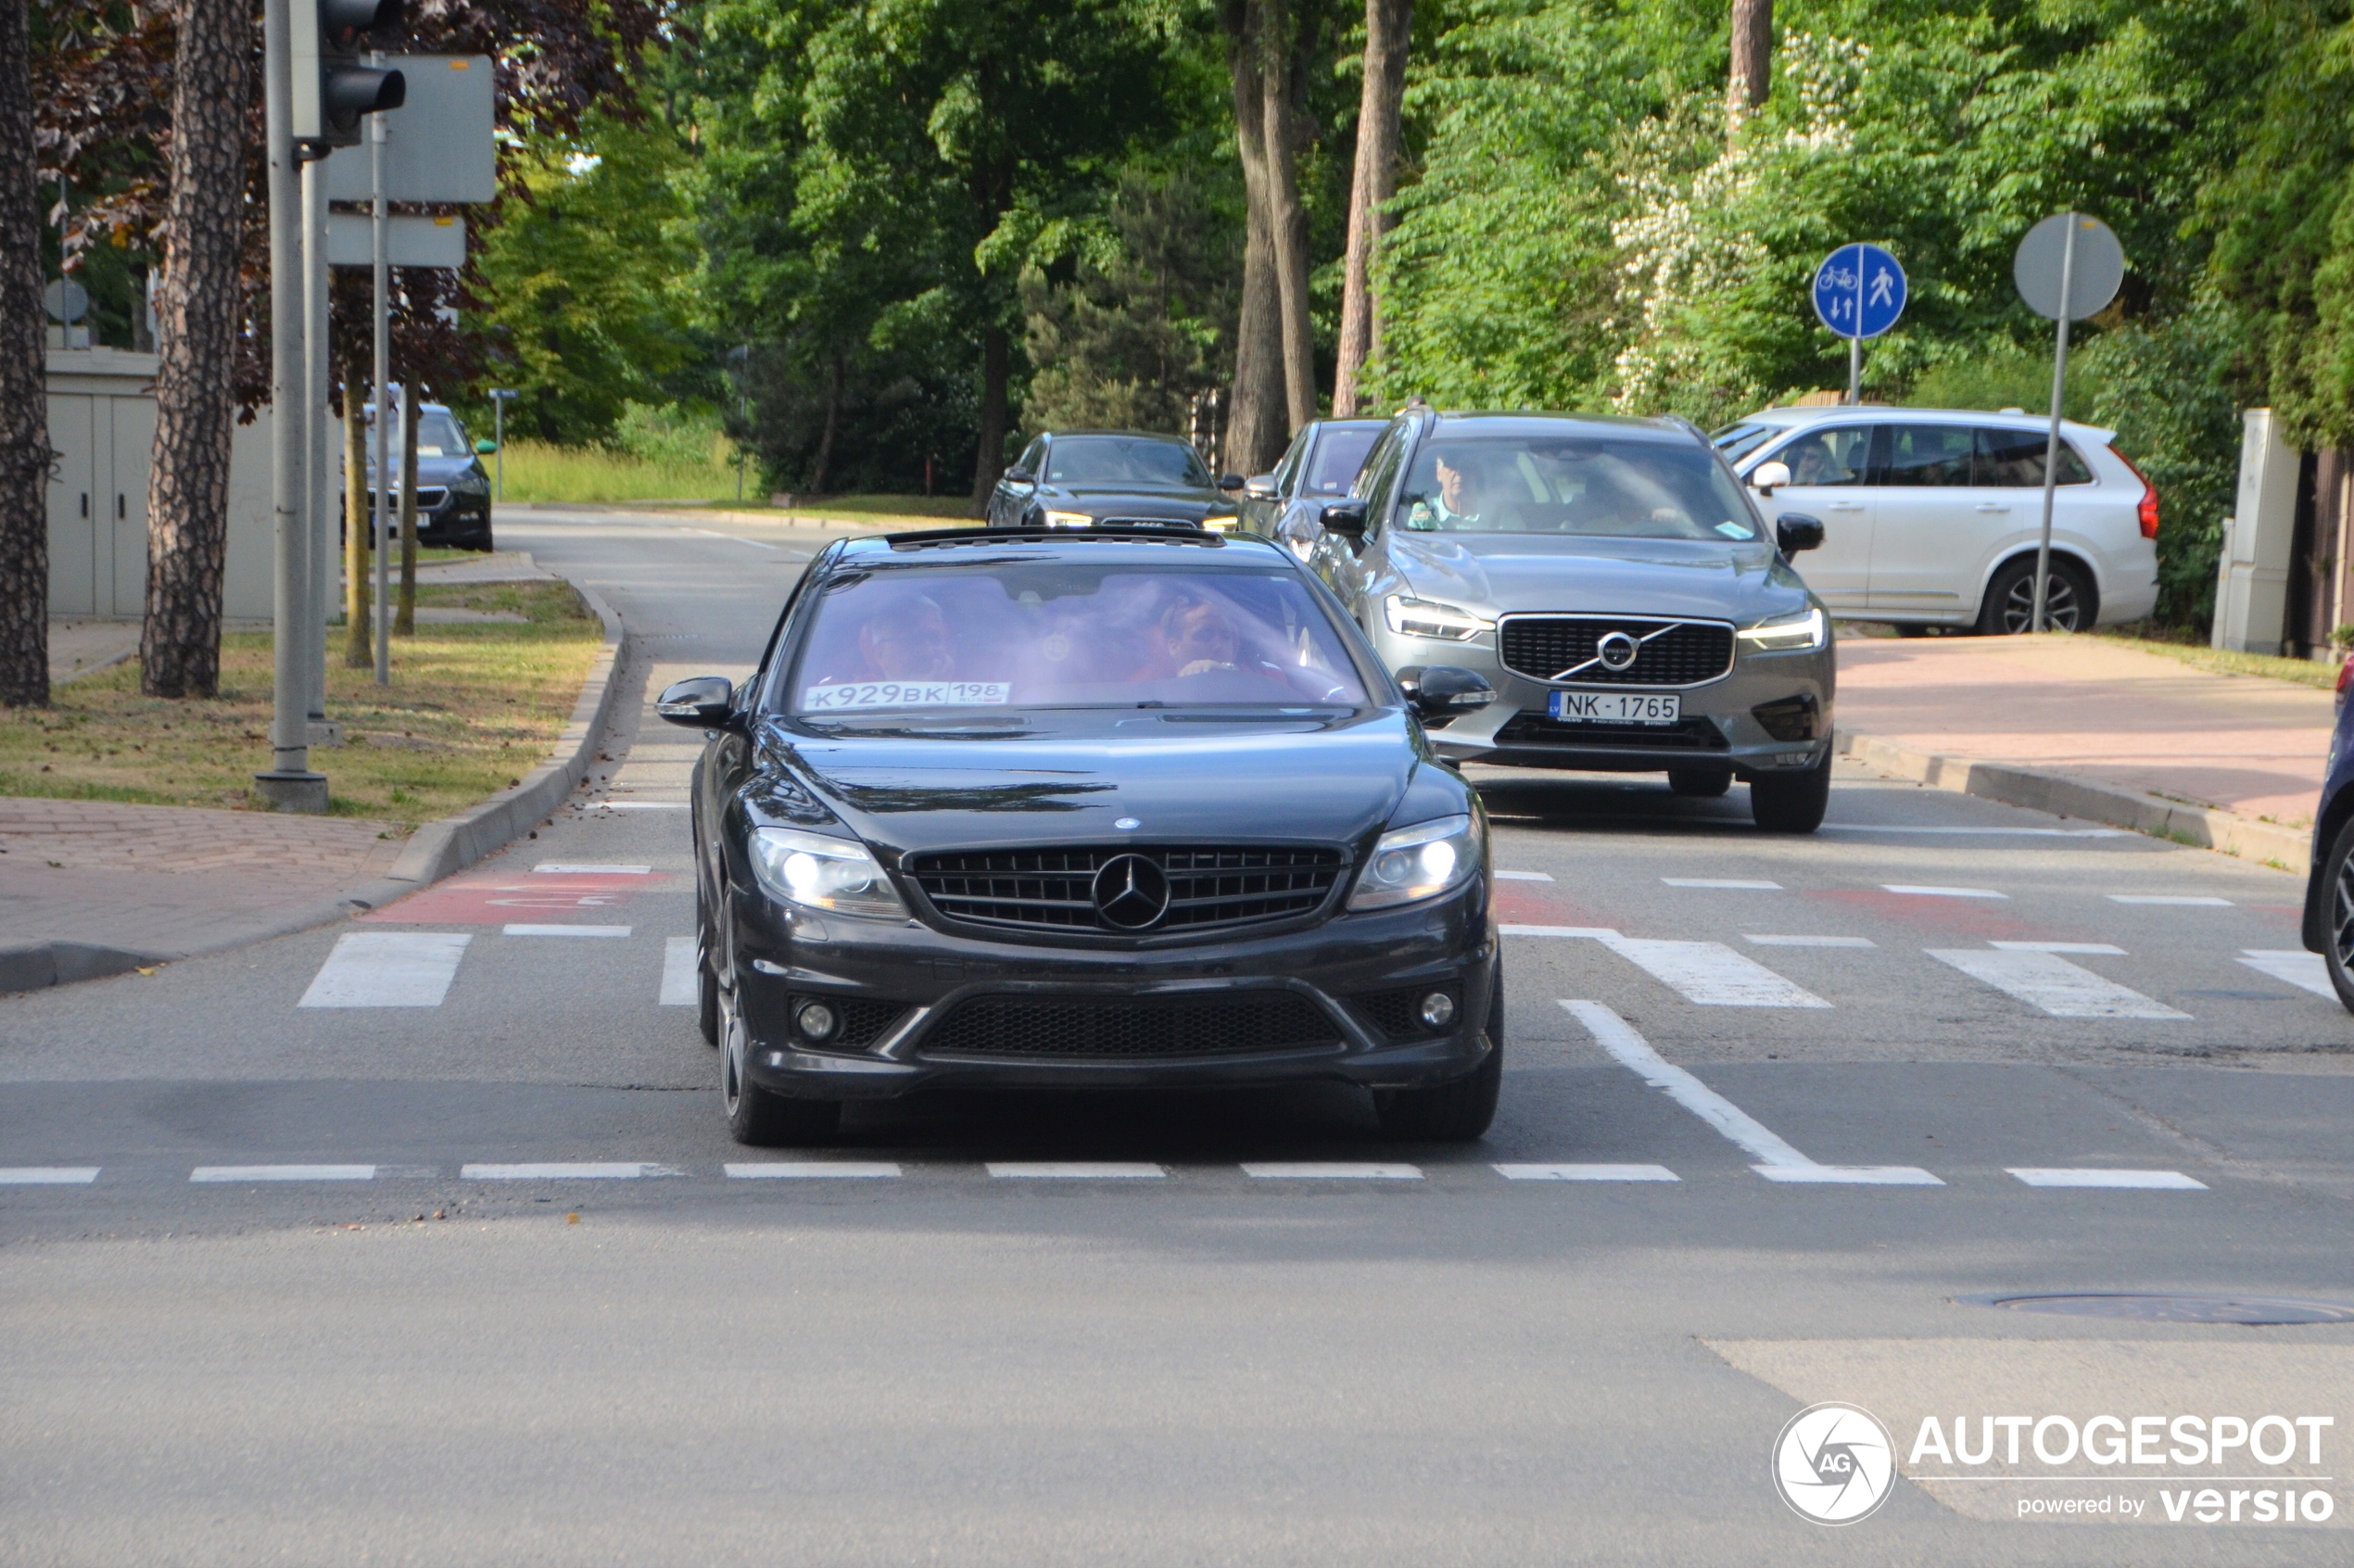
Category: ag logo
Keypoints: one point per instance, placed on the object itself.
(1834, 1464)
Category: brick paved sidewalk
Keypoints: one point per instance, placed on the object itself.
(2097, 709)
(164, 880)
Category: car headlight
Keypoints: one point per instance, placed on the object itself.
(1069, 520)
(1411, 863)
(1788, 634)
(1220, 521)
(817, 872)
(1422, 617)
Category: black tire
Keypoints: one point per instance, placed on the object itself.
(1450, 1113)
(2069, 604)
(2337, 914)
(706, 998)
(758, 1118)
(1791, 802)
(1699, 783)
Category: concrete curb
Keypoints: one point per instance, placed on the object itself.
(433, 852)
(2065, 795)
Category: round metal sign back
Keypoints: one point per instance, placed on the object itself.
(1859, 291)
(2093, 276)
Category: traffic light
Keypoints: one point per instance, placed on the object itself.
(332, 89)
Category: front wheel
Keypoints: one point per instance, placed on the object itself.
(1451, 1113)
(2338, 945)
(756, 1116)
(1791, 802)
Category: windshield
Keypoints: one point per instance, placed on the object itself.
(1124, 460)
(1737, 441)
(1050, 634)
(1339, 457)
(1574, 485)
(437, 435)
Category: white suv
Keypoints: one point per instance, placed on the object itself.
(1931, 515)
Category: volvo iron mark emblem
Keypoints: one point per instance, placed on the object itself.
(1130, 893)
(1617, 651)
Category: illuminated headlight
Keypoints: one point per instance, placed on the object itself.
(1220, 521)
(1422, 617)
(1411, 863)
(1787, 634)
(816, 872)
(1069, 520)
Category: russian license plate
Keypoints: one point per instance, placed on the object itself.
(1616, 707)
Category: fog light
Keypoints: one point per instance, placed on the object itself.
(1438, 1010)
(817, 1021)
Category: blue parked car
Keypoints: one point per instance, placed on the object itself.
(2329, 891)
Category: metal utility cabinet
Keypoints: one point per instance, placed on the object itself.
(102, 425)
(2251, 588)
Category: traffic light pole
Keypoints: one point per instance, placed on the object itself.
(289, 784)
(383, 530)
(321, 511)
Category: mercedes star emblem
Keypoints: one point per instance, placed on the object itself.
(1130, 893)
(1126, 823)
(1617, 651)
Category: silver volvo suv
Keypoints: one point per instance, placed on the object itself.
(1613, 582)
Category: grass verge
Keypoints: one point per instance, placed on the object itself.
(471, 709)
(535, 471)
(2222, 661)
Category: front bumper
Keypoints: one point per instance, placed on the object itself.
(1722, 727)
(1348, 968)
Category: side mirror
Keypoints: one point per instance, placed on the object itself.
(1018, 475)
(1262, 488)
(1230, 481)
(1444, 691)
(697, 702)
(485, 447)
(1767, 477)
(1795, 531)
(1345, 518)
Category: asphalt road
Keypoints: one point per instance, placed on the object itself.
(479, 1278)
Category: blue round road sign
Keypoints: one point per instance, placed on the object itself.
(1859, 291)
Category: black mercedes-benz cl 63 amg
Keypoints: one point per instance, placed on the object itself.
(1084, 809)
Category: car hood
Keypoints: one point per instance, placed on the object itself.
(1050, 778)
(1180, 501)
(1501, 573)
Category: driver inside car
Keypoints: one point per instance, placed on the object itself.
(907, 640)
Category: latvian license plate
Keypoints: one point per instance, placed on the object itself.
(1617, 707)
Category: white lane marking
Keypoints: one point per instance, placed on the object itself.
(594, 1171)
(1075, 1170)
(283, 1174)
(1586, 1173)
(1920, 892)
(2171, 898)
(2006, 832)
(2293, 965)
(715, 534)
(2097, 949)
(1712, 974)
(552, 868)
(2050, 982)
(809, 1169)
(1775, 1159)
(1589, 932)
(1331, 1171)
(2063, 1176)
(387, 969)
(527, 929)
(1810, 940)
(1721, 882)
(678, 976)
(1523, 876)
(47, 1175)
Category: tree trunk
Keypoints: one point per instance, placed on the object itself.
(1751, 77)
(1255, 415)
(359, 651)
(1389, 24)
(991, 460)
(833, 416)
(1286, 219)
(24, 396)
(404, 617)
(196, 324)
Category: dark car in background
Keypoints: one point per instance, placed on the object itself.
(2329, 887)
(1110, 478)
(1316, 469)
(1614, 582)
(453, 492)
(1096, 809)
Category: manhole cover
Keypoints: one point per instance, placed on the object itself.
(2248, 1309)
